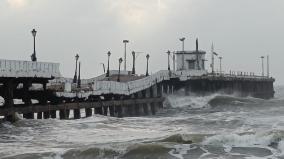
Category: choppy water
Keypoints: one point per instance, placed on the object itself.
(216, 126)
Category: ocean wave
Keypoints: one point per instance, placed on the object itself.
(184, 138)
(190, 101)
(148, 151)
(271, 140)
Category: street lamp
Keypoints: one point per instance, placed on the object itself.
(182, 40)
(212, 58)
(75, 76)
(133, 68)
(125, 42)
(120, 61)
(220, 58)
(267, 58)
(33, 56)
(108, 56)
(169, 54)
(147, 57)
(262, 64)
(79, 76)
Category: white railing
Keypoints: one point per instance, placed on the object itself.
(106, 87)
(128, 88)
(14, 68)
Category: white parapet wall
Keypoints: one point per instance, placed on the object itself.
(14, 68)
(128, 88)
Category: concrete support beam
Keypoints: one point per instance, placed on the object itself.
(89, 112)
(39, 115)
(99, 110)
(77, 113)
(111, 111)
(119, 111)
(53, 114)
(27, 99)
(153, 108)
(63, 114)
(105, 108)
(46, 115)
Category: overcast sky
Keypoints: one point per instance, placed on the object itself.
(242, 31)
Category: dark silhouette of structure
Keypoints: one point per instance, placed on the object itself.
(33, 56)
(108, 56)
(75, 75)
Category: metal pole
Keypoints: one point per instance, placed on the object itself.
(34, 49)
(79, 76)
(120, 61)
(183, 54)
(124, 56)
(125, 42)
(267, 66)
(182, 40)
(168, 52)
(212, 62)
(147, 57)
(174, 62)
(75, 75)
(262, 64)
(108, 56)
(133, 67)
(220, 65)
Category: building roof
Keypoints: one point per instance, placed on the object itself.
(191, 52)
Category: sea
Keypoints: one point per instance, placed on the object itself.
(216, 126)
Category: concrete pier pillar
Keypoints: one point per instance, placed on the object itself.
(165, 91)
(46, 115)
(129, 110)
(153, 108)
(119, 111)
(111, 111)
(39, 115)
(27, 99)
(99, 110)
(53, 114)
(105, 108)
(77, 113)
(63, 114)
(145, 109)
(89, 112)
(8, 97)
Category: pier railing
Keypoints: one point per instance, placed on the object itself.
(127, 88)
(14, 68)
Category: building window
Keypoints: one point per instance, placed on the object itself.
(191, 64)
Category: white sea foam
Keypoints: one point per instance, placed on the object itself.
(191, 101)
(248, 140)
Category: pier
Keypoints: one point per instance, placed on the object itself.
(44, 93)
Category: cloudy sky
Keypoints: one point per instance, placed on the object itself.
(242, 31)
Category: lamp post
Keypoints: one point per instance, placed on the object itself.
(79, 76)
(118, 77)
(220, 58)
(133, 67)
(108, 56)
(125, 42)
(182, 40)
(169, 54)
(147, 57)
(33, 56)
(267, 58)
(75, 76)
(262, 65)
